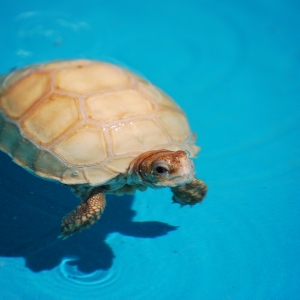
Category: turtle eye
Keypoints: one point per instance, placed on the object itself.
(160, 168)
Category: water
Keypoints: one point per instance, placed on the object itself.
(234, 68)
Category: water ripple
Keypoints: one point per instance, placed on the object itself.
(70, 273)
(57, 32)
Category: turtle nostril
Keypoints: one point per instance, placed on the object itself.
(192, 164)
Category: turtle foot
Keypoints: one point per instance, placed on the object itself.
(190, 193)
(85, 215)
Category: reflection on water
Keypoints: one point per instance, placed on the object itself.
(69, 271)
(42, 36)
(30, 215)
(234, 68)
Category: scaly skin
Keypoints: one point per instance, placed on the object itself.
(190, 193)
(156, 169)
(85, 215)
(179, 169)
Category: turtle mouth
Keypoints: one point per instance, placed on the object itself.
(184, 170)
(184, 178)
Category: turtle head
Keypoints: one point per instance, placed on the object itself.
(162, 168)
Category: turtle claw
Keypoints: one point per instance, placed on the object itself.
(84, 216)
(190, 193)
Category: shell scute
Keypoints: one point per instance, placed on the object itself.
(83, 121)
(138, 136)
(49, 119)
(73, 176)
(119, 165)
(16, 101)
(156, 95)
(175, 123)
(26, 153)
(84, 146)
(97, 175)
(90, 78)
(9, 138)
(117, 105)
(48, 165)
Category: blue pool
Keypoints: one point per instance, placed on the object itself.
(234, 67)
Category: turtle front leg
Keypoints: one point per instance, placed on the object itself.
(190, 193)
(84, 215)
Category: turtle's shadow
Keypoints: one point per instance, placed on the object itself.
(30, 215)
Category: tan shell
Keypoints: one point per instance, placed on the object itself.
(84, 121)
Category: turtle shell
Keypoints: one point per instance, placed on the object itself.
(84, 121)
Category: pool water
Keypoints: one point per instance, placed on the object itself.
(234, 67)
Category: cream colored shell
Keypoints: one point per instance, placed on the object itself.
(84, 121)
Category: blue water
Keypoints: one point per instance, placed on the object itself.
(234, 67)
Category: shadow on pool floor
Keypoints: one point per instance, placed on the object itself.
(30, 215)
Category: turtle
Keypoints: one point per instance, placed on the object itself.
(100, 129)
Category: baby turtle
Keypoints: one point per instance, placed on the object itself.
(100, 129)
